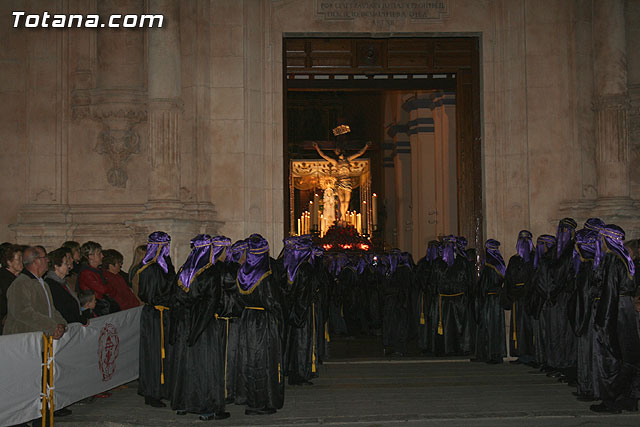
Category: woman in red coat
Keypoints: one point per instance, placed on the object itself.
(118, 288)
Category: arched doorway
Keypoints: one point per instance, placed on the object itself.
(417, 100)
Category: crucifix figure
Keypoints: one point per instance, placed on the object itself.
(342, 171)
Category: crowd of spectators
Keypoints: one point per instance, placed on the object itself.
(42, 291)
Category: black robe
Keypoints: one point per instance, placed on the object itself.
(539, 305)
(154, 289)
(350, 302)
(581, 316)
(370, 291)
(260, 371)
(517, 280)
(563, 350)
(426, 309)
(337, 325)
(617, 350)
(321, 307)
(489, 317)
(452, 306)
(397, 310)
(301, 349)
(197, 380)
(229, 313)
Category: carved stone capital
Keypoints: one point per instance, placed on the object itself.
(110, 105)
(166, 104)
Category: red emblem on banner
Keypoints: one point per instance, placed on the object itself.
(108, 345)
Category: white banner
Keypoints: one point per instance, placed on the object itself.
(20, 377)
(98, 357)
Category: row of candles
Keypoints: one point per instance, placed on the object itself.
(310, 220)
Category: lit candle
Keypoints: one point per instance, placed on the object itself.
(299, 229)
(313, 216)
(374, 211)
(304, 223)
(359, 223)
(364, 216)
(316, 211)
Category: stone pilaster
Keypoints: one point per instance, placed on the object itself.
(165, 103)
(611, 103)
(164, 209)
(611, 107)
(612, 136)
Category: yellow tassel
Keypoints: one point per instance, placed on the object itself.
(422, 321)
(279, 373)
(326, 332)
(440, 329)
(161, 309)
(513, 314)
(313, 321)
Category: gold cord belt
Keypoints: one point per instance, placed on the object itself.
(161, 309)
(254, 308)
(440, 328)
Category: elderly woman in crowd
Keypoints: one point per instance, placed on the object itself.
(64, 299)
(11, 260)
(118, 289)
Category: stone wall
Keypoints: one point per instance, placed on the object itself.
(81, 161)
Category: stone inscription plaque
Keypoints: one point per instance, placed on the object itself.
(383, 10)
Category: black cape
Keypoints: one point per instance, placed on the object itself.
(197, 355)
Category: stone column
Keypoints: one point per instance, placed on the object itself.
(165, 106)
(611, 102)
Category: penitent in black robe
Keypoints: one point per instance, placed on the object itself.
(516, 288)
(301, 350)
(617, 350)
(337, 325)
(197, 355)
(350, 302)
(539, 305)
(397, 312)
(563, 344)
(260, 372)
(154, 289)
(229, 314)
(427, 306)
(581, 316)
(489, 316)
(321, 307)
(452, 306)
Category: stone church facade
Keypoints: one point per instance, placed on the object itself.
(110, 134)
